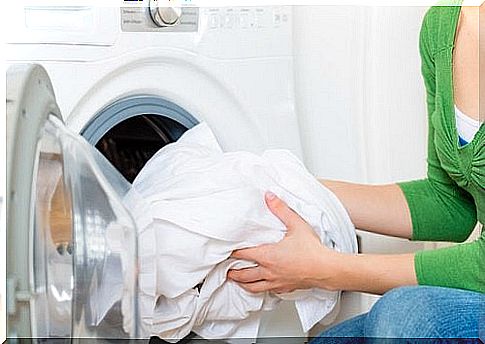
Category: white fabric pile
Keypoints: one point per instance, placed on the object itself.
(194, 205)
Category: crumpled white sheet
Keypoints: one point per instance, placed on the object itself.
(194, 205)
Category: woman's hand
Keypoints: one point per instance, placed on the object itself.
(299, 261)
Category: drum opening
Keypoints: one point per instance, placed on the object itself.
(130, 131)
(131, 143)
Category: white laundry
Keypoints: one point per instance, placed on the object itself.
(194, 205)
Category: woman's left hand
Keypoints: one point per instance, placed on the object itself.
(299, 261)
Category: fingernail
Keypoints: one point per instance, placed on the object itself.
(271, 196)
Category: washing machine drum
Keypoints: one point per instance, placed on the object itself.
(71, 243)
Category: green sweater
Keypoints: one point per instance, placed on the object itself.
(445, 206)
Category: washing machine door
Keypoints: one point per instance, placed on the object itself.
(71, 244)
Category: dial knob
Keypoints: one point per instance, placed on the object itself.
(164, 16)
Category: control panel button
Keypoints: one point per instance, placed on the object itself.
(229, 21)
(244, 20)
(214, 21)
(259, 20)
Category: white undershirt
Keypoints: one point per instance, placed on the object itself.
(466, 126)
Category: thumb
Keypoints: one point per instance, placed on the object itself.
(281, 210)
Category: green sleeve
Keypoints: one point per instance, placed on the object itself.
(440, 209)
(461, 266)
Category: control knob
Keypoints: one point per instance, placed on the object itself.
(164, 16)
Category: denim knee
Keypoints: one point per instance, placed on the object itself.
(425, 312)
(404, 312)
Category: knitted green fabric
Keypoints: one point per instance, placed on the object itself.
(446, 205)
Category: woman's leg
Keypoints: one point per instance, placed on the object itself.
(417, 312)
(352, 328)
(425, 312)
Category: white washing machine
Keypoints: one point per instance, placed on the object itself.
(128, 81)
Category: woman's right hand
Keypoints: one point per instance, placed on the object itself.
(298, 261)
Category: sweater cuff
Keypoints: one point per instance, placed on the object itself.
(453, 267)
(407, 189)
(418, 268)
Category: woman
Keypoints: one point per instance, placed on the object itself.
(427, 294)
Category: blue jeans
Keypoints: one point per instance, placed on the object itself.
(414, 312)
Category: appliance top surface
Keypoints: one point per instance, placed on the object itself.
(91, 33)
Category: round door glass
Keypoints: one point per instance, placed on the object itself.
(84, 242)
(52, 244)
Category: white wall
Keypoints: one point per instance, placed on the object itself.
(3, 247)
(360, 96)
(394, 97)
(328, 42)
(3, 159)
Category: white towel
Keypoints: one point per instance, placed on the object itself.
(194, 205)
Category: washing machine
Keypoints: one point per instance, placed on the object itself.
(92, 93)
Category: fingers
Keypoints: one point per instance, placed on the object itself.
(248, 275)
(281, 210)
(257, 287)
(254, 254)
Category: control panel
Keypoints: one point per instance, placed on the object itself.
(155, 18)
(159, 19)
